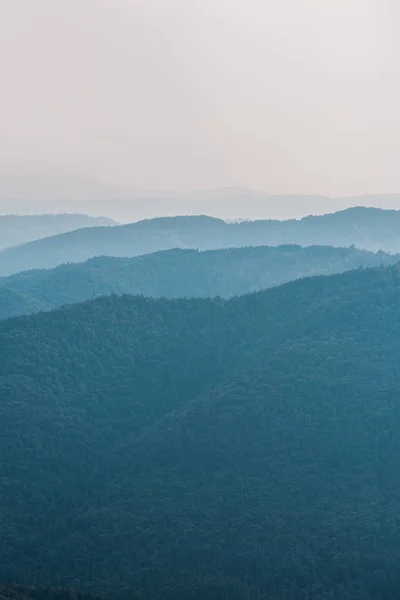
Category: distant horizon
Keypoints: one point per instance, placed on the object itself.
(110, 210)
(13, 181)
(40, 194)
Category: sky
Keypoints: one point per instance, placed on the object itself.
(286, 96)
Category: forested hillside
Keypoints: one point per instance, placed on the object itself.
(178, 273)
(366, 228)
(14, 303)
(20, 229)
(207, 449)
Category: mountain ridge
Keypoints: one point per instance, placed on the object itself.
(20, 229)
(178, 273)
(370, 229)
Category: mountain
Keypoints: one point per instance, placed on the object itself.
(207, 448)
(61, 191)
(20, 229)
(178, 273)
(66, 192)
(370, 229)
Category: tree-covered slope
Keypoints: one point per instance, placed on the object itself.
(14, 303)
(366, 228)
(178, 273)
(21, 229)
(207, 448)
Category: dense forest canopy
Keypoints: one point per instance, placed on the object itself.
(178, 273)
(366, 228)
(25, 592)
(207, 448)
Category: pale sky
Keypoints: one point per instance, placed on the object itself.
(296, 96)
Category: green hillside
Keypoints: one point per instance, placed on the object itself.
(243, 448)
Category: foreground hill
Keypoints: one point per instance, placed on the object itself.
(178, 273)
(366, 228)
(207, 449)
(20, 229)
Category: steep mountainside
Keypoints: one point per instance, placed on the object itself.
(20, 229)
(207, 448)
(366, 228)
(178, 273)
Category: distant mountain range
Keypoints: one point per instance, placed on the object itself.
(200, 449)
(20, 229)
(178, 273)
(366, 228)
(55, 193)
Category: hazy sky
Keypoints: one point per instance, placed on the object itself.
(281, 95)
